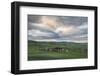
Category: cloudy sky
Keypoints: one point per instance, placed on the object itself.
(57, 28)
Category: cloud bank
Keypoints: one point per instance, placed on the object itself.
(58, 28)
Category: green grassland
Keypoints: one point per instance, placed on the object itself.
(74, 50)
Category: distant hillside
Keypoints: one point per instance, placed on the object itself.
(55, 42)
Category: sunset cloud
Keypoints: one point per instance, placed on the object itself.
(57, 28)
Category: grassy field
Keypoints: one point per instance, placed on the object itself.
(71, 50)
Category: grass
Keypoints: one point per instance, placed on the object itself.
(75, 50)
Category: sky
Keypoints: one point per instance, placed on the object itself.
(57, 28)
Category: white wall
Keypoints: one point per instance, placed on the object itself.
(5, 41)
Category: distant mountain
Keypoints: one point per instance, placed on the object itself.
(55, 42)
(32, 41)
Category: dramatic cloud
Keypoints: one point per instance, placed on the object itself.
(57, 28)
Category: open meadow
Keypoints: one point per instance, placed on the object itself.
(56, 50)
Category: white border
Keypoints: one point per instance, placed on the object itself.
(26, 65)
